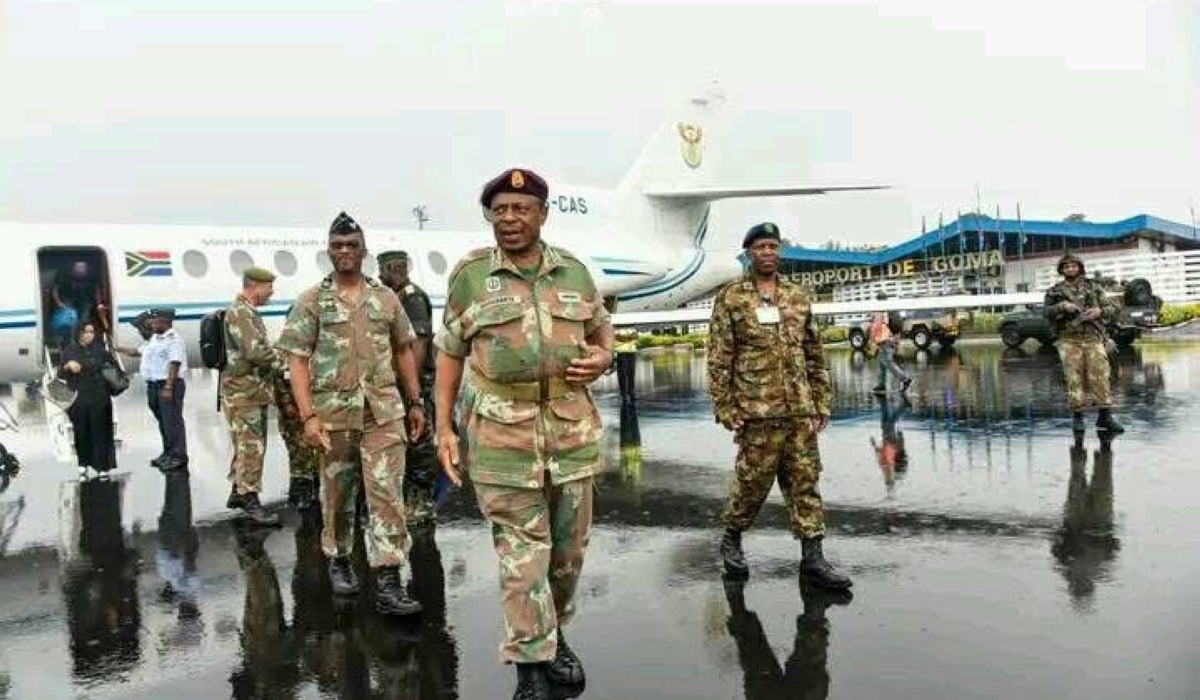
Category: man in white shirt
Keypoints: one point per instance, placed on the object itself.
(164, 361)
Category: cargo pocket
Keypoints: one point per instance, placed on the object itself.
(574, 423)
(500, 425)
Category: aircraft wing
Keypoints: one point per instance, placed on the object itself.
(715, 193)
(827, 308)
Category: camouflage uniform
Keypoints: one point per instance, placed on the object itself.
(350, 349)
(421, 472)
(304, 460)
(533, 440)
(246, 392)
(1081, 344)
(774, 378)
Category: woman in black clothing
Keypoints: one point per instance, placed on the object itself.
(91, 414)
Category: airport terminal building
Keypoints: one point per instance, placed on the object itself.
(984, 255)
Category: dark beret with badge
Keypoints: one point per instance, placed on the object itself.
(257, 274)
(514, 181)
(344, 225)
(766, 230)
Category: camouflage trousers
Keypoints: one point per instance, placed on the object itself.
(248, 430)
(540, 536)
(373, 459)
(1085, 365)
(777, 449)
(303, 460)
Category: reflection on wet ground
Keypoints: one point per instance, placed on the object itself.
(993, 557)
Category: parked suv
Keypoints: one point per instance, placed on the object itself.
(921, 327)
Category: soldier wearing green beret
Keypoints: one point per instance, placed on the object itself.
(525, 321)
(246, 392)
(421, 464)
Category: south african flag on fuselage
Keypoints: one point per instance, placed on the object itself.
(147, 263)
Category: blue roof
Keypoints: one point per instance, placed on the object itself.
(970, 224)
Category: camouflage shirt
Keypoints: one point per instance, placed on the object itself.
(1085, 294)
(519, 337)
(246, 379)
(351, 349)
(759, 369)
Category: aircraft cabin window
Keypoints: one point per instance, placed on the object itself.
(195, 263)
(240, 261)
(323, 262)
(285, 263)
(437, 262)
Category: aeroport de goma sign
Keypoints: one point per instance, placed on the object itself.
(901, 268)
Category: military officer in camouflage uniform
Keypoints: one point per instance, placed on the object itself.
(421, 466)
(350, 343)
(524, 320)
(770, 385)
(1078, 308)
(304, 460)
(246, 392)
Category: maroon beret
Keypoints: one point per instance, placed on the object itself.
(516, 180)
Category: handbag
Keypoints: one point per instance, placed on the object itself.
(115, 377)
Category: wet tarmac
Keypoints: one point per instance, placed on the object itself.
(993, 558)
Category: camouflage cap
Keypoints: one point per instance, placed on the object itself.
(388, 256)
(763, 230)
(257, 274)
(517, 181)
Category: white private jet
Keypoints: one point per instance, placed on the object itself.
(647, 244)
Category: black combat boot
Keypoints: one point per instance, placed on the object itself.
(1077, 422)
(302, 493)
(566, 668)
(1105, 422)
(731, 553)
(390, 596)
(342, 577)
(816, 570)
(255, 514)
(235, 500)
(532, 683)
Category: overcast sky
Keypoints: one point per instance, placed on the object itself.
(284, 111)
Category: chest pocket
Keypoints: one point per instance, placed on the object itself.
(496, 313)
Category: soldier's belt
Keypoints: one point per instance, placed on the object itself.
(548, 389)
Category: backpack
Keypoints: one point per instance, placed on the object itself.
(212, 340)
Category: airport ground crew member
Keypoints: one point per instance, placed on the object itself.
(626, 348)
(350, 343)
(525, 321)
(246, 392)
(165, 366)
(1078, 308)
(421, 464)
(770, 385)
